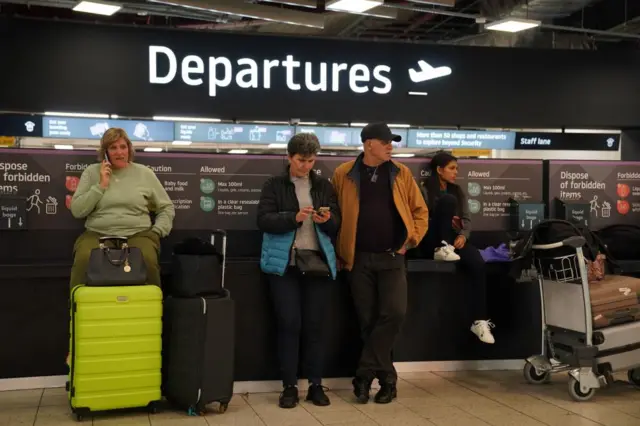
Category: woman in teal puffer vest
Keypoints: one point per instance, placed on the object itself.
(299, 216)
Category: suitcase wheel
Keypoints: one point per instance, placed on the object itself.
(634, 376)
(81, 413)
(223, 407)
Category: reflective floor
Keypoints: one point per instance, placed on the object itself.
(442, 399)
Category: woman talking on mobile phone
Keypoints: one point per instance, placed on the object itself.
(115, 197)
(299, 217)
(448, 235)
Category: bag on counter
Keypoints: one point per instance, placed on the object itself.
(116, 264)
(597, 256)
(622, 241)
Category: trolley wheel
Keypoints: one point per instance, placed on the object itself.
(153, 409)
(533, 377)
(634, 376)
(223, 407)
(577, 394)
(79, 417)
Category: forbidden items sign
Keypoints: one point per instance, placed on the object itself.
(13, 213)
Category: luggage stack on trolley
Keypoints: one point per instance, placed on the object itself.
(590, 330)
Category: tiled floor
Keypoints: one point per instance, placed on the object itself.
(440, 399)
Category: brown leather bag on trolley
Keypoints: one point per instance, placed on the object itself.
(596, 269)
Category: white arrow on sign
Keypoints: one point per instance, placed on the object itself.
(9, 220)
(20, 221)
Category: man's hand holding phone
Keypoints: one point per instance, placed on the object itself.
(322, 215)
(105, 174)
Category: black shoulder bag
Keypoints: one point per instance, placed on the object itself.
(311, 263)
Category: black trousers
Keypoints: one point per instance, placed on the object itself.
(379, 288)
(301, 304)
(441, 229)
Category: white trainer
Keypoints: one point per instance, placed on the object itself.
(445, 253)
(482, 329)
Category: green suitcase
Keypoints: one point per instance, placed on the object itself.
(116, 348)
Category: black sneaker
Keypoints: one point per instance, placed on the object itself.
(317, 396)
(387, 393)
(361, 389)
(289, 397)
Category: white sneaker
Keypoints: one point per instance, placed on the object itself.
(482, 329)
(445, 253)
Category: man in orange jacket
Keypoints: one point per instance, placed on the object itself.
(383, 215)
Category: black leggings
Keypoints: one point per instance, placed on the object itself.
(441, 229)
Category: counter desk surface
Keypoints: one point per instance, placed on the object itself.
(34, 309)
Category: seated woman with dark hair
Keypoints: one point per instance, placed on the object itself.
(448, 235)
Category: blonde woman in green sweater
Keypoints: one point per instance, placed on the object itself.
(115, 197)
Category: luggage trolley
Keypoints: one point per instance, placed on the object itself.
(569, 342)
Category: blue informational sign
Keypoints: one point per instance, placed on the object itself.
(332, 136)
(94, 128)
(479, 139)
(345, 136)
(259, 134)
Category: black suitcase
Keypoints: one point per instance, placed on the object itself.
(199, 350)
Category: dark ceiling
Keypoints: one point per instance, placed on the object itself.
(583, 24)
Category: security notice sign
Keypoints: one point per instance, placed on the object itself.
(223, 191)
(609, 190)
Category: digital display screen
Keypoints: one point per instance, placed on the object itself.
(442, 139)
(232, 133)
(94, 128)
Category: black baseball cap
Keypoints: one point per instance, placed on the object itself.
(378, 131)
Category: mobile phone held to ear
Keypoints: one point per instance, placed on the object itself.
(106, 158)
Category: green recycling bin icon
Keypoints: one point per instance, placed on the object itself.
(207, 204)
(207, 185)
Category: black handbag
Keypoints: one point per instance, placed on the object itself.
(117, 265)
(312, 263)
(197, 269)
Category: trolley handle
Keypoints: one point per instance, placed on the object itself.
(574, 242)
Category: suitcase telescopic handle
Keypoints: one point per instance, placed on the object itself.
(223, 235)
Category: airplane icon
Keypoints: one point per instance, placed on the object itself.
(427, 72)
